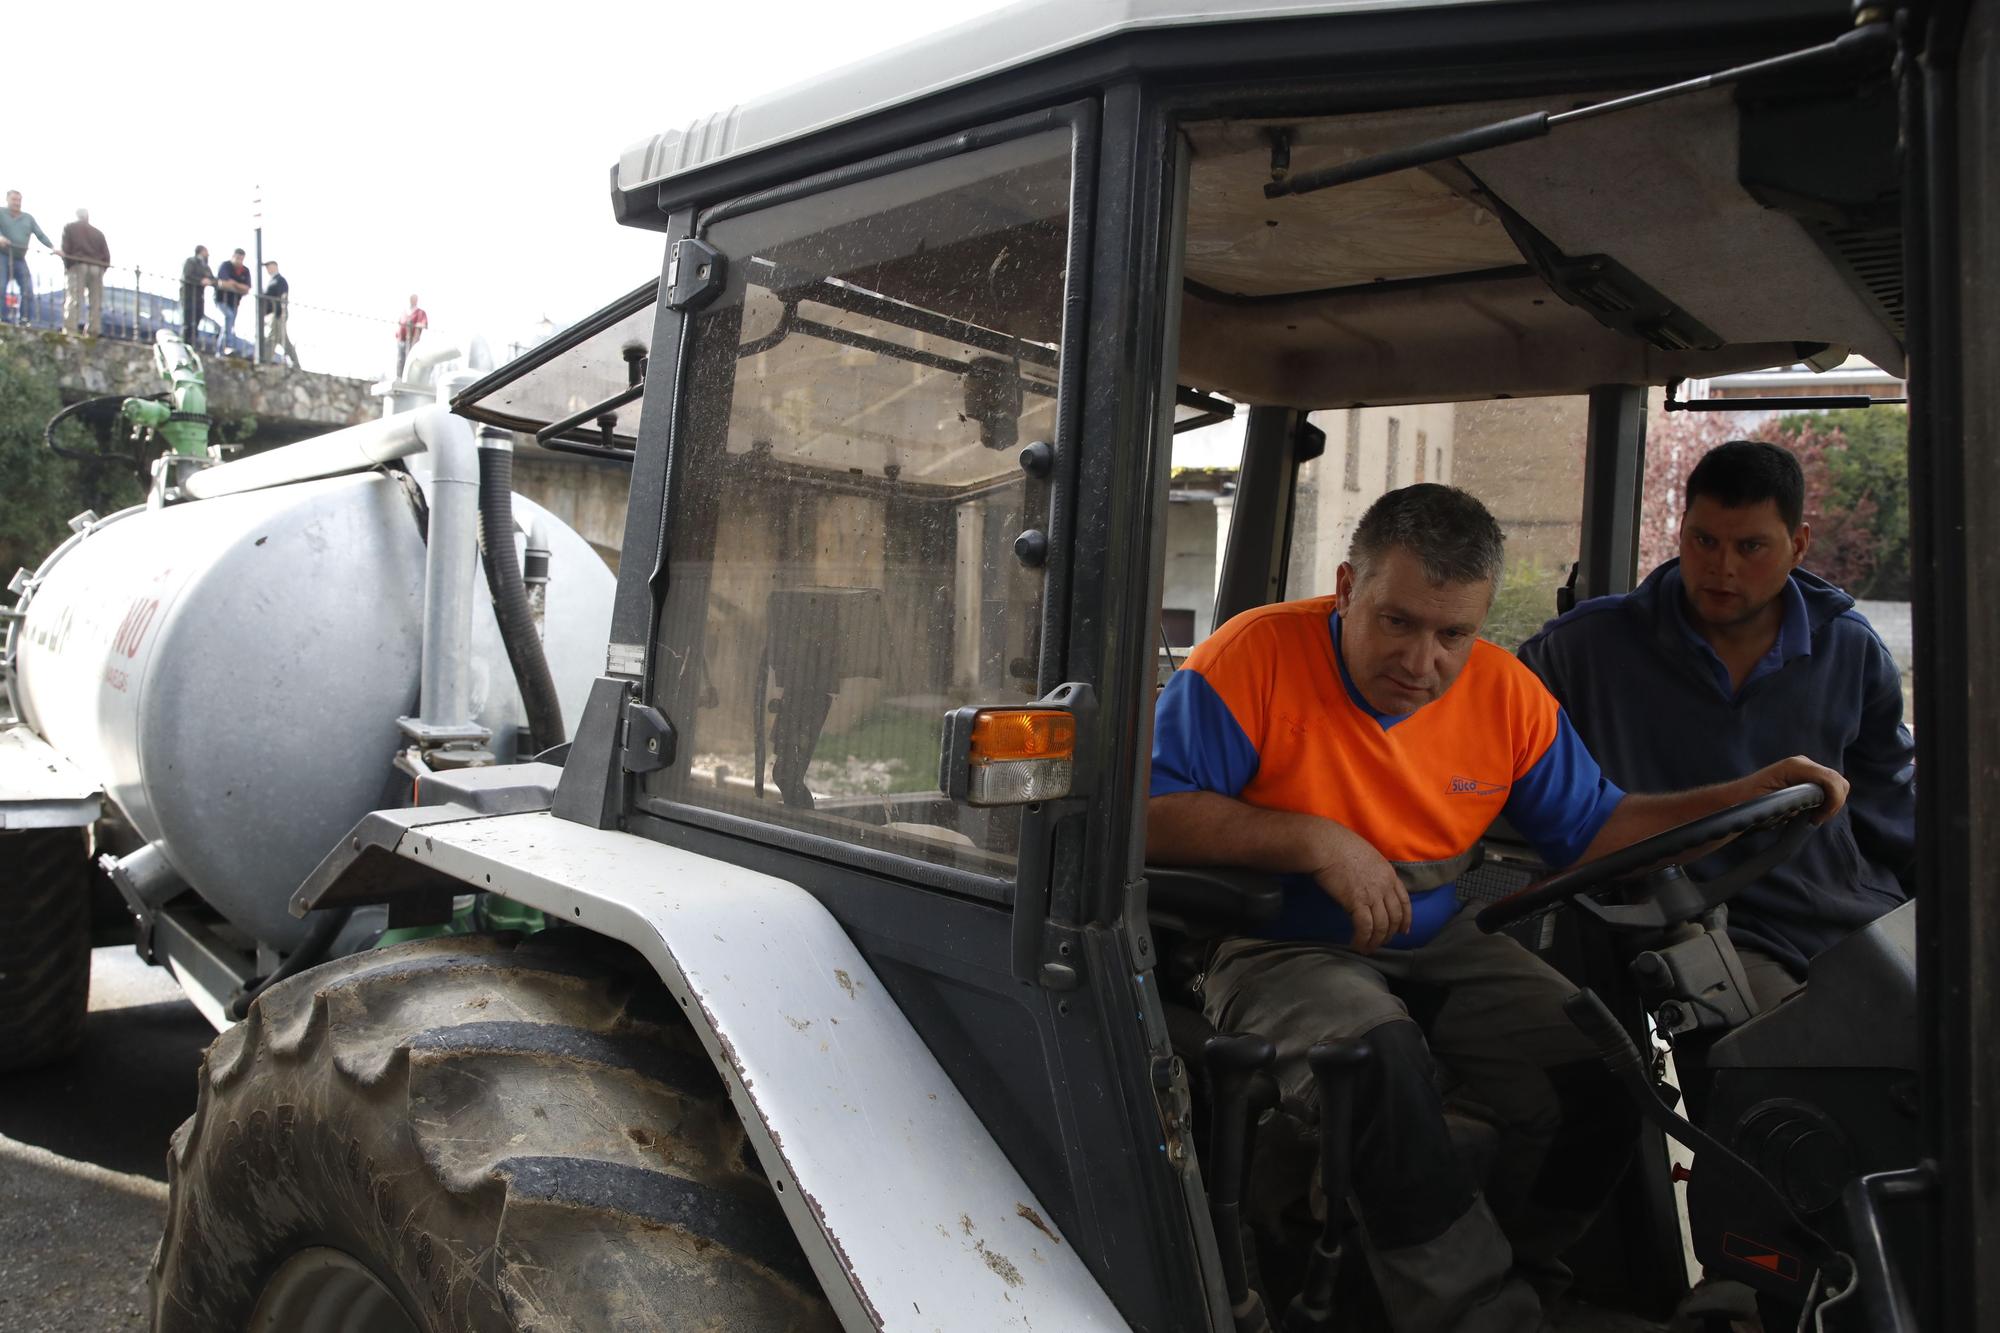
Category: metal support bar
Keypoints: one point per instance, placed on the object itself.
(1260, 528)
(209, 971)
(1614, 466)
(591, 413)
(1872, 41)
(1823, 402)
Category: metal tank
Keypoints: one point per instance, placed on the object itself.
(232, 670)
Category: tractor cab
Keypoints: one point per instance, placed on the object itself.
(910, 544)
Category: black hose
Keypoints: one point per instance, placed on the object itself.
(100, 456)
(510, 599)
(311, 952)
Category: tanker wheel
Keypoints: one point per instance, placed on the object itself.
(471, 1132)
(44, 945)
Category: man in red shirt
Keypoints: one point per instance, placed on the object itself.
(1359, 746)
(408, 329)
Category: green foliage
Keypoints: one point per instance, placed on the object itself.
(1525, 601)
(1856, 465)
(40, 491)
(892, 748)
(1868, 473)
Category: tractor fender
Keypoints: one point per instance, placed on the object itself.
(909, 1212)
(39, 788)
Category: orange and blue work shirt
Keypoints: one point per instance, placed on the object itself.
(1265, 712)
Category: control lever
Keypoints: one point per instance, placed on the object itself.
(1335, 1065)
(1239, 1090)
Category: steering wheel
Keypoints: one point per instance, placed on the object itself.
(1667, 893)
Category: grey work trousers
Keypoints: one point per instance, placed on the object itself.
(84, 282)
(1445, 1256)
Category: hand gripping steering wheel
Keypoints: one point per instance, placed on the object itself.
(1665, 894)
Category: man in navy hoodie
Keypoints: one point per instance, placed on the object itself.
(1729, 658)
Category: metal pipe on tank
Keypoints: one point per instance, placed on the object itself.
(445, 691)
(351, 449)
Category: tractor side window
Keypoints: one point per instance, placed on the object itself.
(847, 492)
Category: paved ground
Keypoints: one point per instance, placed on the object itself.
(83, 1156)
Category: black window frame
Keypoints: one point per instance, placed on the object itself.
(1081, 119)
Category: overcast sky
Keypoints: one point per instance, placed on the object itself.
(460, 152)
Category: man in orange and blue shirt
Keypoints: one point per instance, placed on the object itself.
(1360, 745)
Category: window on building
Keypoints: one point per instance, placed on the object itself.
(1423, 441)
(1353, 478)
(1523, 457)
(1395, 453)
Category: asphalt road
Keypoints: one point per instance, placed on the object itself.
(83, 1156)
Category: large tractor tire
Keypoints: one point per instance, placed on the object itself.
(471, 1132)
(44, 945)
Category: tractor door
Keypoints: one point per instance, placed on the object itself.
(885, 515)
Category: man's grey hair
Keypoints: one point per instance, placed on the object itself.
(1450, 533)
(83, 215)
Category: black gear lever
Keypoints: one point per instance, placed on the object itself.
(1335, 1065)
(1239, 1090)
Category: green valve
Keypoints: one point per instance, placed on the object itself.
(471, 914)
(183, 420)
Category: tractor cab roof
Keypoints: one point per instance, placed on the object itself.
(1734, 229)
(983, 48)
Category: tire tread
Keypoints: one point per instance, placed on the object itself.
(44, 946)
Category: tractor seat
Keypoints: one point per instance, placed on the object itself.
(1206, 902)
(1189, 908)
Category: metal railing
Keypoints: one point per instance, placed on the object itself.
(139, 302)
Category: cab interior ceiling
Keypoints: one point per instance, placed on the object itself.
(1441, 283)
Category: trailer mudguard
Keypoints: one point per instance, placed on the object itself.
(41, 789)
(911, 1216)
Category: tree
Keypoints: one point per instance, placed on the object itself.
(1673, 446)
(1857, 488)
(1866, 457)
(40, 490)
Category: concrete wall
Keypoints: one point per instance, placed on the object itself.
(1192, 557)
(589, 494)
(1892, 622)
(1524, 458)
(1369, 452)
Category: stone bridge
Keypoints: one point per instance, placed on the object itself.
(286, 405)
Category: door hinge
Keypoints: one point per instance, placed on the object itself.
(649, 738)
(694, 274)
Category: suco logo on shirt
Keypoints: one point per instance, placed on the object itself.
(1472, 787)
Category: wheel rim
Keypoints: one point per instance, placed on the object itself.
(322, 1290)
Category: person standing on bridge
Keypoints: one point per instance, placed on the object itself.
(408, 329)
(277, 306)
(86, 254)
(195, 275)
(15, 229)
(232, 281)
